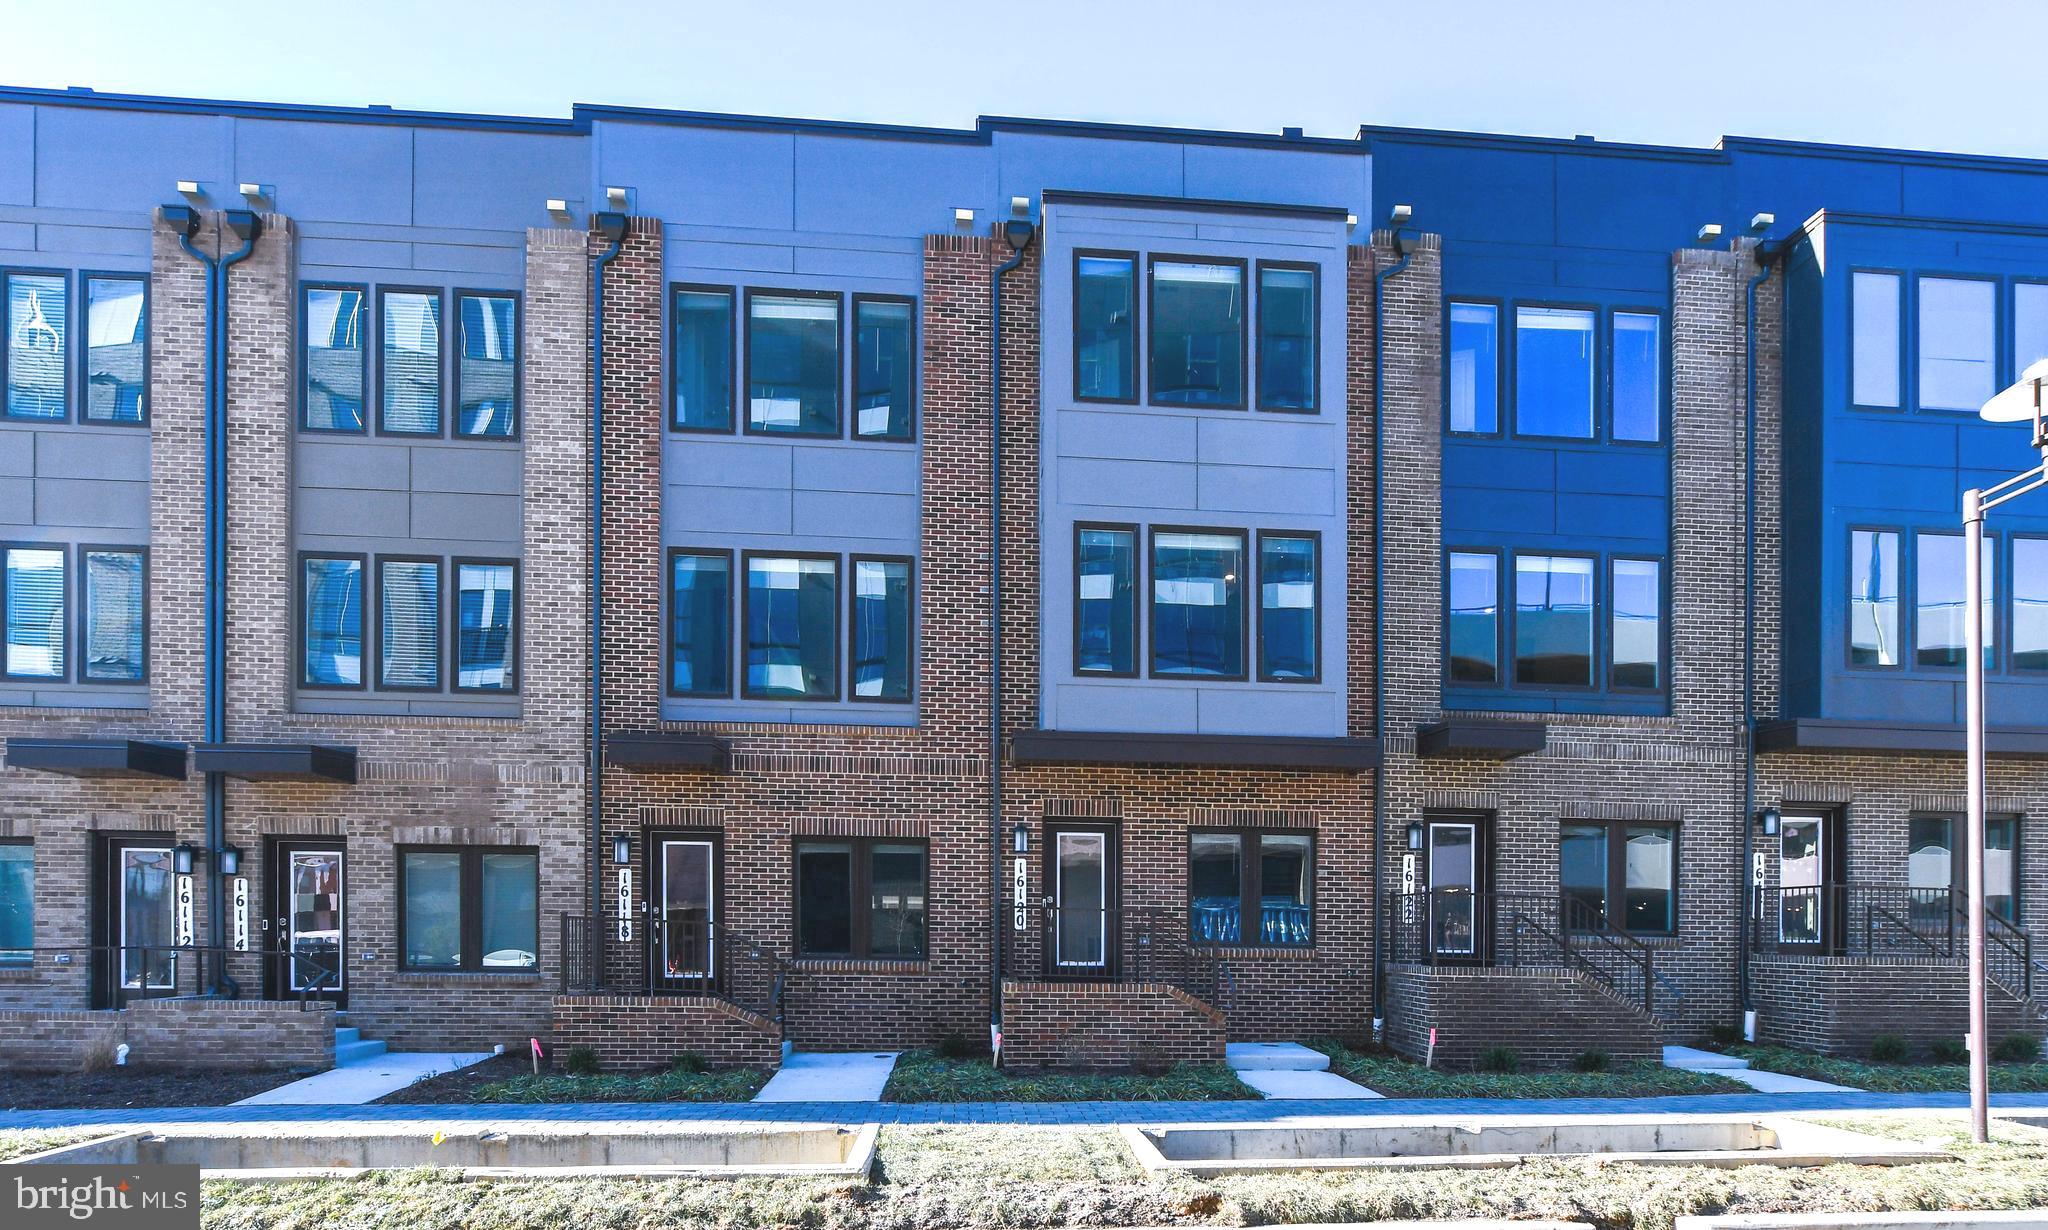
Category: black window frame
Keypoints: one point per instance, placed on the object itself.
(744, 384)
(1617, 871)
(373, 592)
(1511, 597)
(67, 620)
(86, 277)
(1138, 318)
(1258, 309)
(1502, 615)
(372, 399)
(1501, 392)
(1903, 651)
(78, 618)
(1257, 567)
(1604, 633)
(2011, 604)
(363, 632)
(1250, 898)
(452, 360)
(73, 347)
(440, 295)
(468, 909)
(853, 356)
(735, 372)
(1512, 418)
(839, 617)
(1244, 324)
(852, 630)
(1907, 353)
(454, 648)
(1603, 395)
(17, 958)
(860, 897)
(1244, 613)
(733, 580)
(1138, 591)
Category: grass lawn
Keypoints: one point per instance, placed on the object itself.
(510, 1078)
(921, 1076)
(1893, 1077)
(1398, 1078)
(20, 1142)
(1024, 1178)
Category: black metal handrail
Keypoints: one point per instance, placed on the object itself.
(1522, 931)
(1890, 920)
(1107, 944)
(673, 957)
(170, 971)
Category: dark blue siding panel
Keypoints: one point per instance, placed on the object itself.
(330, 172)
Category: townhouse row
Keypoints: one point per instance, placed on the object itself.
(677, 582)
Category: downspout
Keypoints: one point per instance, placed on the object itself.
(612, 226)
(1744, 897)
(1018, 234)
(1379, 614)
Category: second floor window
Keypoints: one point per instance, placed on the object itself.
(1198, 625)
(1198, 333)
(409, 623)
(1873, 598)
(1472, 631)
(113, 643)
(793, 363)
(2030, 604)
(482, 647)
(1940, 612)
(1554, 621)
(882, 617)
(1553, 628)
(486, 635)
(1105, 326)
(792, 627)
(116, 349)
(700, 619)
(1289, 621)
(35, 605)
(1106, 600)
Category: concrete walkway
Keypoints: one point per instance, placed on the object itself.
(1690, 1059)
(364, 1080)
(1290, 1070)
(808, 1076)
(1275, 1111)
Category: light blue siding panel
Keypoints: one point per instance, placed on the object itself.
(462, 468)
(1127, 484)
(1030, 163)
(1889, 438)
(1131, 707)
(856, 468)
(1268, 489)
(494, 179)
(744, 257)
(131, 242)
(504, 266)
(857, 263)
(1126, 434)
(76, 147)
(1639, 518)
(708, 461)
(355, 253)
(356, 172)
(849, 514)
(704, 177)
(18, 452)
(1235, 173)
(689, 513)
(1615, 471)
(888, 187)
(74, 453)
(343, 513)
(477, 517)
(1251, 710)
(350, 464)
(1895, 486)
(1274, 440)
(17, 155)
(1470, 464)
(1485, 512)
(17, 501)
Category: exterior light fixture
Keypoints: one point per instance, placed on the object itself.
(558, 208)
(182, 856)
(1709, 233)
(1767, 820)
(615, 197)
(963, 216)
(189, 187)
(257, 193)
(1020, 205)
(1415, 834)
(622, 849)
(1350, 219)
(1400, 214)
(1763, 222)
(1020, 840)
(230, 860)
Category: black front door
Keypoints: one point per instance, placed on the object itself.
(1809, 908)
(1080, 882)
(1454, 869)
(304, 924)
(683, 898)
(135, 923)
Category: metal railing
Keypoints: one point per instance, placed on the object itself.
(1523, 931)
(119, 974)
(672, 957)
(1890, 920)
(1097, 944)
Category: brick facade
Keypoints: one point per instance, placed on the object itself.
(633, 1033)
(1839, 1005)
(1547, 1017)
(1147, 1026)
(171, 1033)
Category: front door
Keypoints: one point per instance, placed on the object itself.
(1805, 855)
(1081, 879)
(137, 922)
(304, 927)
(683, 891)
(1453, 856)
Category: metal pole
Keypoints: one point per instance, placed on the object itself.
(1973, 596)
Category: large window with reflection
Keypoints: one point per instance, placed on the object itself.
(1958, 342)
(1472, 620)
(1197, 324)
(861, 898)
(486, 628)
(1939, 614)
(792, 627)
(880, 655)
(113, 638)
(331, 621)
(701, 346)
(1198, 625)
(1636, 380)
(884, 367)
(700, 623)
(1874, 598)
(487, 372)
(1619, 873)
(409, 362)
(1473, 402)
(1554, 372)
(37, 349)
(116, 349)
(333, 359)
(1251, 888)
(1105, 326)
(1875, 349)
(1289, 603)
(1106, 600)
(1635, 641)
(793, 363)
(1287, 336)
(35, 604)
(2029, 603)
(1554, 603)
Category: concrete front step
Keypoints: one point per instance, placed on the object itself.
(345, 1034)
(1274, 1057)
(357, 1052)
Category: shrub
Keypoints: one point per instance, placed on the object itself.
(1722, 1036)
(1502, 1059)
(1595, 1060)
(97, 1055)
(1948, 1050)
(1889, 1048)
(580, 1061)
(954, 1046)
(2017, 1048)
(690, 1062)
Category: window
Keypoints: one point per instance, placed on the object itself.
(793, 363)
(116, 349)
(860, 897)
(1105, 327)
(38, 323)
(1633, 864)
(333, 366)
(487, 377)
(1873, 598)
(881, 650)
(1105, 600)
(17, 902)
(884, 368)
(700, 623)
(2029, 325)
(1198, 622)
(1474, 395)
(2030, 604)
(409, 362)
(35, 613)
(1554, 621)
(1554, 372)
(408, 623)
(1287, 608)
(1637, 366)
(1940, 612)
(112, 640)
(1287, 337)
(331, 589)
(792, 627)
(1958, 336)
(486, 631)
(1874, 320)
(1251, 889)
(474, 909)
(1474, 618)
(1635, 638)
(702, 353)
(1198, 333)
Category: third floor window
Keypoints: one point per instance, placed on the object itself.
(51, 371)
(1578, 373)
(417, 375)
(1888, 586)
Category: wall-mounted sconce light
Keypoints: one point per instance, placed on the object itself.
(1709, 233)
(189, 188)
(1020, 839)
(256, 194)
(231, 860)
(1400, 214)
(964, 217)
(1020, 205)
(1767, 820)
(1762, 222)
(1414, 834)
(616, 197)
(622, 849)
(182, 857)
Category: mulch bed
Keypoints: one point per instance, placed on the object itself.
(120, 1088)
(459, 1085)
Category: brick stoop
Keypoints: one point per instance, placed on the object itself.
(1108, 1025)
(638, 1032)
(1838, 1005)
(1547, 1016)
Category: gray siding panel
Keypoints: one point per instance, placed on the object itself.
(446, 515)
(480, 470)
(846, 514)
(861, 468)
(339, 513)
(93, 502)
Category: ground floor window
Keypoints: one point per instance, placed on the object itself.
(1251, 888)
(1937, 867)
(861, 897)
(1620, 873)
(469, 907)
(17, 901)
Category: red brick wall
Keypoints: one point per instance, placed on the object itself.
(1837, 1005)
(631, 1033)
(180, 1033)
(1099, 1025)
(1547, 1016)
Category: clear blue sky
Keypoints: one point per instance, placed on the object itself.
(1962, 75)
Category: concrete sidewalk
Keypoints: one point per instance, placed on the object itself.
(364, 1080)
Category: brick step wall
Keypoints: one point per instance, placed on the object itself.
(1101, 1025)
(1548, 1017)
(1838, 1005)
(640, 1032)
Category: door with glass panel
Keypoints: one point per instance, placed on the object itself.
(137, 923)
(683, 895)
(1453, 852)
(303, 933)
(1805, 886)
(1080, 878)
